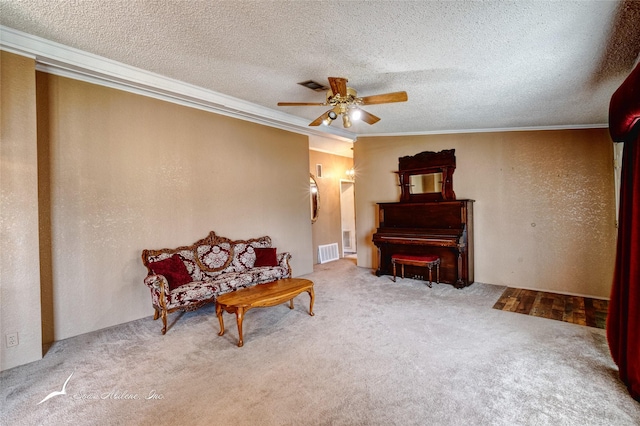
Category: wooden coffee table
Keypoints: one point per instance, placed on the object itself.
(261, 296)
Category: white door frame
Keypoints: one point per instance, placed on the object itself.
(350, 223)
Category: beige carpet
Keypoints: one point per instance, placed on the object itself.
(375, 353)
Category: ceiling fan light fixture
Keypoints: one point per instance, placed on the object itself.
(331, 115)
(344, 101)
(346, 121)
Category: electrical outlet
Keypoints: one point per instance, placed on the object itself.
(12, 339)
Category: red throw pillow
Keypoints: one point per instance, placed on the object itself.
(173, 270)
(266, 257)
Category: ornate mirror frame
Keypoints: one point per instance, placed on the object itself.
(314, 197)
(425, 163)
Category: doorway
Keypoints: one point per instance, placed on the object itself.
(348, 217)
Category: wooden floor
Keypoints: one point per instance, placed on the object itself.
(573, 309)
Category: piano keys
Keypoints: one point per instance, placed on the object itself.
(442, 228)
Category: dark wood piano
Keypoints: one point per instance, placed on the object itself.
(442, 228)
(427, 220)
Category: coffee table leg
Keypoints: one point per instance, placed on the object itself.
(311, 296)
(239, 317)
(219, 314)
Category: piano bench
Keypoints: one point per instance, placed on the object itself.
(428, 261)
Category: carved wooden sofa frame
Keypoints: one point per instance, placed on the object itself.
(215, 265)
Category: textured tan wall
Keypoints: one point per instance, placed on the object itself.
(328, 228)
(128, 172)
(19, 266)
(544, 210)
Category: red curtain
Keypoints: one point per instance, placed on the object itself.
(623, 321)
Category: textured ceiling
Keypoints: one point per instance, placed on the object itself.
(465, 65)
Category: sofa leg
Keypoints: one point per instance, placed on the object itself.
(164, 321)
(156, 315)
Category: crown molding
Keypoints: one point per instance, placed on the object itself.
(495, 130)
(65, 61)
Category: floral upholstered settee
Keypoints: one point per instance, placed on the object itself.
(186, 278)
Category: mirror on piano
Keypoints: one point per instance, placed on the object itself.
(426, 183)
(427, 176)
(314, 198)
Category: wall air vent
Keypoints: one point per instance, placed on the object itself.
(328, 252)
(314, 85)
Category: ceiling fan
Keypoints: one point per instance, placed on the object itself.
(344, 101)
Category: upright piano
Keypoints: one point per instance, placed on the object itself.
(428, 219)
(443, 228)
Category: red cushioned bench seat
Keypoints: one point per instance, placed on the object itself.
(427, 260)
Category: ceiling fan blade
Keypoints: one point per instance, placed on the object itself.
(318, 121)
(338, 85)
(368, 118)
(300, 104)
(385, 98)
